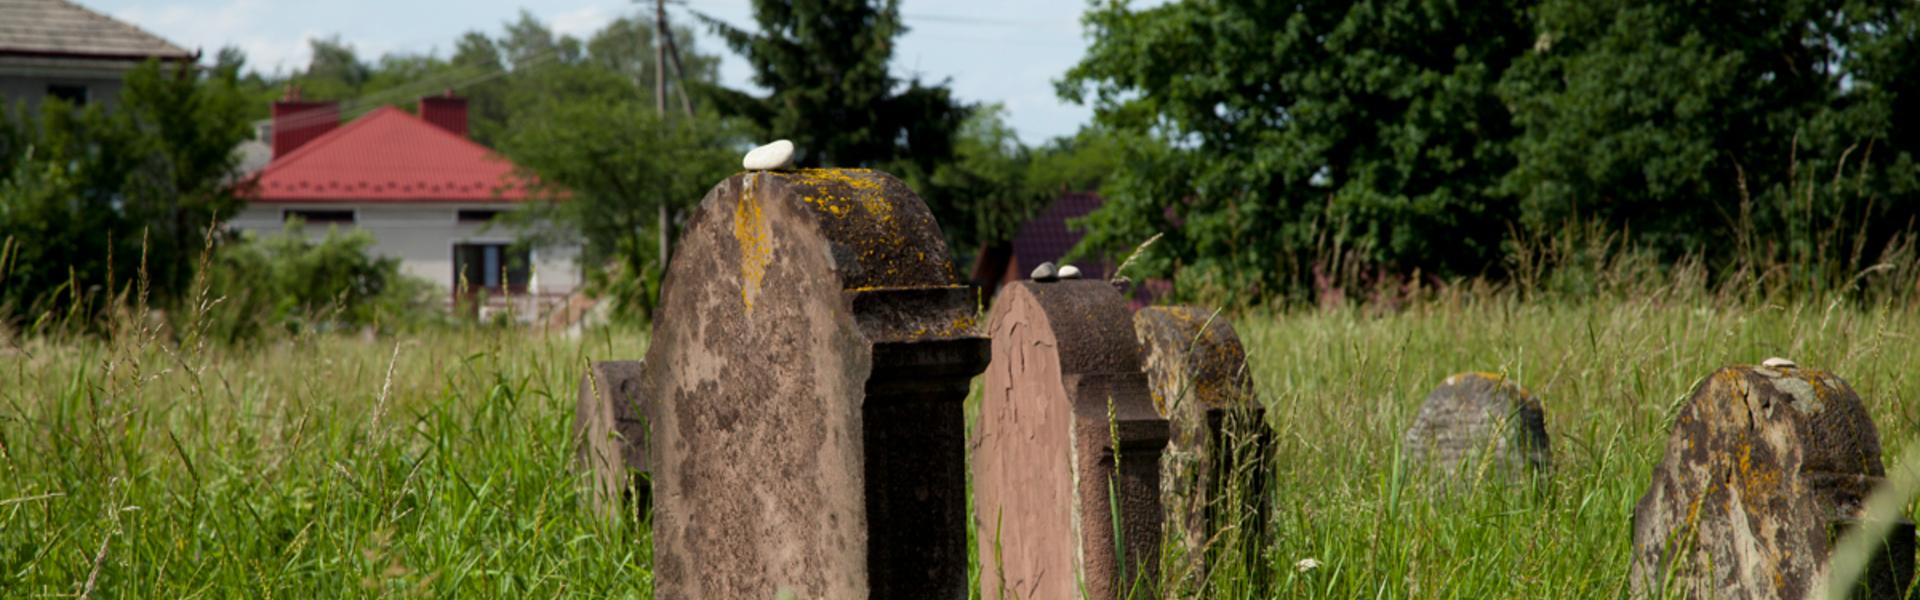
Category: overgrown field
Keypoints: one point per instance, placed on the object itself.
(436, 464)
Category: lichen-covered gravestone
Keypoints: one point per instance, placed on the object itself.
(804, 387)
(1197, 375)
(1484, 421)
(612, 433)
(1765, 466)
(1067, 433)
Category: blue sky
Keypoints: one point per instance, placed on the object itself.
(1007, 51)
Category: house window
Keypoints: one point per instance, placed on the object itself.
(318, 217)
(73, 94)
(476, 215)
(494, 268)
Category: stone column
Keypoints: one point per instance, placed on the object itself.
(1765, 466)
(1067, 432)
(805, 380)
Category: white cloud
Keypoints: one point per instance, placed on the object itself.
(582, 22)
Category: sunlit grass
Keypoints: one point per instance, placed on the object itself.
(298, 468)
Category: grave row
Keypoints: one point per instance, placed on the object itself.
(798, 419)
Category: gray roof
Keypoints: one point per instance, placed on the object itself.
(61, 28)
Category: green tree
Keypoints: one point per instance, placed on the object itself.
(90, 200)
(1664, 119)
(1269, 130)
(825, 64)
(588, 132)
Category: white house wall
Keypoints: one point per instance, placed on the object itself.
(422, 236)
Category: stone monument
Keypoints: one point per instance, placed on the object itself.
(1765, 466)
(1067, 433)
(804, 385)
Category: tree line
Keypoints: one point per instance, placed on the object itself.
(1269, 144)
(1273, 143)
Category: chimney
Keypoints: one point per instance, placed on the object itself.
(296, 121)
(445, 111)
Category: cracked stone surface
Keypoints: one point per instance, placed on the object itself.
(1197, 373)
(1763, 469)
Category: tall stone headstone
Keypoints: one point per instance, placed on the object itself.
(1198, 377)
(1484, 420)
(609, 426)
(1764, 468)
(805, 384)
(1067, 434)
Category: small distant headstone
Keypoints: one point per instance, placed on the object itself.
(804, 384)
(1482, 419)
(1067, 434)
(610, 426)
(1765, 467)
(1197, 375)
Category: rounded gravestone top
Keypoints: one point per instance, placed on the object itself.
(1761, 464)
(1481, 416)
(1193, 355)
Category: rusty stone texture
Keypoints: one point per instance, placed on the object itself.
(1066, 426)
(1763, 468)
(1484, 420)
(805, 381)
(1196, 373)
(609, 426)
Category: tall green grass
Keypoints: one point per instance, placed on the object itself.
(316, 466)
(437, 463)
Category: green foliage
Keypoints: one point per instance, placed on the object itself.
(610, 161)
(292, 283)
(1694, 124)
(90, 198)
(825, 63)
(1274, 143)
(1266, 130)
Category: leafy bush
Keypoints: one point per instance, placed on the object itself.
(293, 283)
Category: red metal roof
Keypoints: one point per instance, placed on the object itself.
(389, 155)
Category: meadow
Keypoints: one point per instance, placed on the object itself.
(437, 463)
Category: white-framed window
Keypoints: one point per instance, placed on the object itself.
(493, 267)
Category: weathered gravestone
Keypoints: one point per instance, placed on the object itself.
(1481, 420)
(808, 365)
(1197, 376)
(610, 430)
(1765, 466)
(1067, 432)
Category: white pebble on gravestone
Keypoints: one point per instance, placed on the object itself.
(1777, 363)
(1069, 272)
(1045, 272)
(777, 155)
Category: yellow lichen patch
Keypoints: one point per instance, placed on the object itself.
(1757, 483)
(837, 190)
(755, 235)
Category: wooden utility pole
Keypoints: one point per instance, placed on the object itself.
(660, 106)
